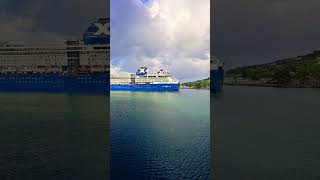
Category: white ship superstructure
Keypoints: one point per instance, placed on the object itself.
(53, 59)
(160, 80)
(157, 77)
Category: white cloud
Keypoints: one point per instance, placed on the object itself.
(171, 34)
(116, 71)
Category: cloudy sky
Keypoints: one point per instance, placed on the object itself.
(257, 31)
(173, 34)
(170, 34)
(47, 21)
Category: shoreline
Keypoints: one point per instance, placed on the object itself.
(194, 88)
(273, 85)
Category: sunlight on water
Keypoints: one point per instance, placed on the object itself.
(160, 135)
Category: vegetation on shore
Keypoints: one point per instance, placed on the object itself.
(299, 70)
(200, 84)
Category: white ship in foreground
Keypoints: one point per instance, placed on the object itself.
(76, 66)
(159, 80)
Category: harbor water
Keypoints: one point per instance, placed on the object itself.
(158, 135)
(266, 133)
(53, 136)
(259, 133)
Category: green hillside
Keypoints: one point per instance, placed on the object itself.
(302, 68)
(200, 84)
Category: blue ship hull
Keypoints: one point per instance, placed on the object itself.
(86, 83)
(145, 87)
(216, 77)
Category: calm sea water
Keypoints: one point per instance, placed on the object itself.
(160, 135)
(53, 136)
(266, 133)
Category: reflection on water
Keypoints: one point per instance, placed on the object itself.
(266, 133)
(160, 135)
(53, 136)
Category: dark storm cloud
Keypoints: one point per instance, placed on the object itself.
(257, 31)
(48, 19)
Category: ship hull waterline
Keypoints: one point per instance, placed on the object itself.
(145, 87)
(87, 83)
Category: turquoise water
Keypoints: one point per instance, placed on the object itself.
(160, 135)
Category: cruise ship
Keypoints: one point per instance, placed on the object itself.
(160, 80)
(76, 66)
(216, 74)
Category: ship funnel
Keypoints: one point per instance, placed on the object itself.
(141, 71)
(215, 63)
(98, 33)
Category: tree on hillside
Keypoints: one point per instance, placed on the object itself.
(282, 75)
